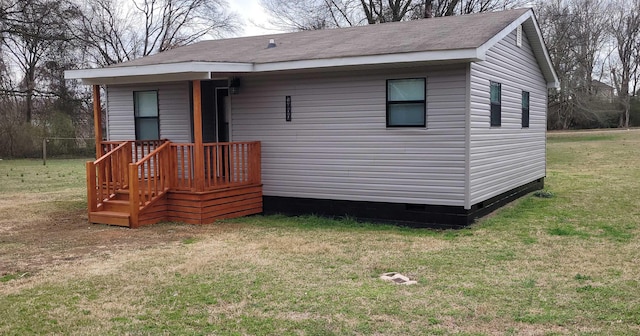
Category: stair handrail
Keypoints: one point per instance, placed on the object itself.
(156, 168)
(107, 174)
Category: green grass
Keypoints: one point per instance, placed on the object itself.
(580, 137)
(32, 175)
(560, 265)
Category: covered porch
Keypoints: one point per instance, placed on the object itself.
(140, 182)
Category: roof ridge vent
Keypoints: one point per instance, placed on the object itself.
(272, 43)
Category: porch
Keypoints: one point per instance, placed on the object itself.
(141, 182)
(144, 182)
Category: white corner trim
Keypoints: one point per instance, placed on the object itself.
(155, 69)
(424, 56)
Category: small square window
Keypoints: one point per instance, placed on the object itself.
(406, 102)
(145, 110)
(496, 104)
(525, 109)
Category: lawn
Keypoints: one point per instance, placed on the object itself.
(565, 265)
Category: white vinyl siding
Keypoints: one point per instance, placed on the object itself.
(173, 110)
(337, 145)
(506, 157)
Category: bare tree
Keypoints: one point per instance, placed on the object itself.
(575, 34)
(321, 14)
(625, 30)
(106, 33)
(113, 34)
(312, 14)
(172, 23)
(35, 29)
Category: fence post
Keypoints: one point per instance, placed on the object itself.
(44, 151)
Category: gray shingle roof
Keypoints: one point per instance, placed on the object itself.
(436, 34)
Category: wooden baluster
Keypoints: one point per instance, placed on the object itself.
(258, 166)
(149, 183)
(178, 166)
(225, 158)
(244, 171)
(171, 166)
(209, 170)
(216, 164)
(126, 161)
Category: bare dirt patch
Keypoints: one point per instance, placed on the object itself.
(31, 243)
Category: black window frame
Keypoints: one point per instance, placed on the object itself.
(136, 117)
(526, 110)
(401, 102)
(495, 106)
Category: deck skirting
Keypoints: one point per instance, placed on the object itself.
(204, 207)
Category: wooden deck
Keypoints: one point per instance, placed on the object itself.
(144, 182)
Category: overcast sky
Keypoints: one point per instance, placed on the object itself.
(252, 15)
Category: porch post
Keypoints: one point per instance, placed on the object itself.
(97, 120)
(198, 148)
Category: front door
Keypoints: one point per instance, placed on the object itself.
(215, 126)
(221, 114)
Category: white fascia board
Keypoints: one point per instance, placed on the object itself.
(555, 83)
(157, 69)
(552, 82)
(173, 77)
(424, 56)
(203, 70)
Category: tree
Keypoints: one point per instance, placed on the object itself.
(321, 14)
(111, 34)
(625, 29)
(575, 34)
(33, 30)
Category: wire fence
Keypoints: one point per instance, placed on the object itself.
(66, 148)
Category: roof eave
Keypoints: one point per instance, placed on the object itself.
(203, 70)
(155, 72)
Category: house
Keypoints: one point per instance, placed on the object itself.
(431, 122)
(602, 91)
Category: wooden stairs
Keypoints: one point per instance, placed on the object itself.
(113, 211)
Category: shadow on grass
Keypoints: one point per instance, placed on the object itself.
(314, 222)
(580, 138)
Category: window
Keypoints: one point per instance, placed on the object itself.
(525, 109)
(406, 104)
(145, 107)
(496, 104)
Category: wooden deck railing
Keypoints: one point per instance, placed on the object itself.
(168, 166)
(225, 164)
(184, 179)
(108, 174)
(139, 148)
(149, 178)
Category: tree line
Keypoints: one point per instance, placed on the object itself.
(594, 45)
(40, 39)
